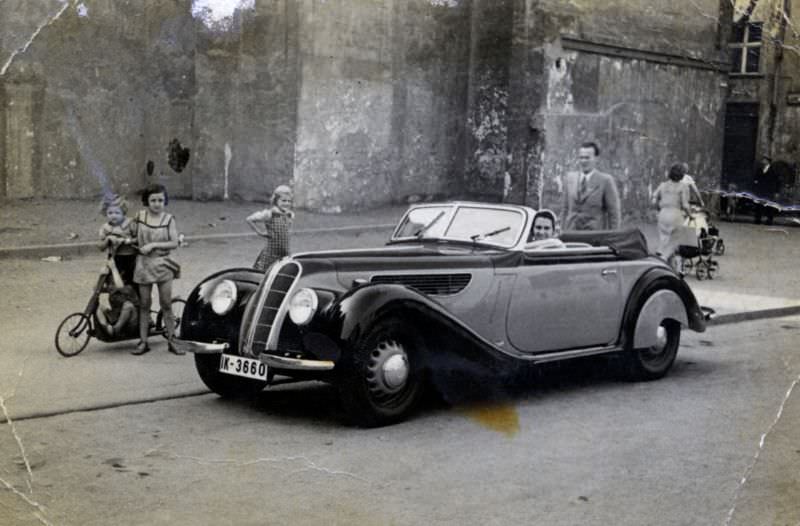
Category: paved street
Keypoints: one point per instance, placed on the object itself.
(579, 447)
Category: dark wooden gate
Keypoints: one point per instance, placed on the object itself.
(739, 153)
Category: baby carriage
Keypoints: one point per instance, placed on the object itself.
(74, 332)
(698, 255)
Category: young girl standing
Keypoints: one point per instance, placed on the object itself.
(273, 224)
(157, 235)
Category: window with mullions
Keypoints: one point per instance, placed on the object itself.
(745, 48)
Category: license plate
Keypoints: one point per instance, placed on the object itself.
(241, 366)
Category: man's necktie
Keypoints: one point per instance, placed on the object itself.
(583, 185)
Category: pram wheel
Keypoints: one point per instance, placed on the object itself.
(73, 334)
(177, 305)
(719, 248)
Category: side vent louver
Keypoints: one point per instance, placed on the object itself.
(433, 284)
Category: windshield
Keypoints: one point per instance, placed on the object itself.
(480, 224)
(423, 222)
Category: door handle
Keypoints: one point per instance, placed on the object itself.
(608, 272)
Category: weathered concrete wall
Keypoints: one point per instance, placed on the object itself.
(625, 94)
(679, 26)
(488, 149)
(357, 103)
(644, 117)
(381, 101)
(245, 109)
(113, 80)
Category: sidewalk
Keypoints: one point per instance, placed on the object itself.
(758, 275)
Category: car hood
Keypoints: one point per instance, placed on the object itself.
(364, 264)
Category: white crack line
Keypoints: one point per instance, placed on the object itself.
(703, 13)
(310, 465)
(13, 427)
(24, 47)
(752, 465)
(39, 514)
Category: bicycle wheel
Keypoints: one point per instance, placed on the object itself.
(73, 335)
(177, 305)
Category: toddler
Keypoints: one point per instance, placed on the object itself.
(117, 236)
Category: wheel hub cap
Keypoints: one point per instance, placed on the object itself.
(661, 339)
(388, 368)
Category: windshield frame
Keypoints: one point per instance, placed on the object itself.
(451, 212)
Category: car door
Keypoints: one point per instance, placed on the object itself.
(565, 299)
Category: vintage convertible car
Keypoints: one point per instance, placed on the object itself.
(457, 290)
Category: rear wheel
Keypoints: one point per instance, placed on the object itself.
(652, 363)
(73, 335)
(381, 380)
(225, 385)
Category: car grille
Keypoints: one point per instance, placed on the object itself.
(433, 284)
(271, 309)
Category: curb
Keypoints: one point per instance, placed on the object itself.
(82, 248)
(100, 407)
(736, 317)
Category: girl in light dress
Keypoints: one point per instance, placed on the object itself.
(157, 235)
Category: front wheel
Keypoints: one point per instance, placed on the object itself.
(73, 334)
(225, 385)
(652, 363)
(381, 379)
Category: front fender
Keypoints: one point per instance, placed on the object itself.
(200, 323)
(350, 319)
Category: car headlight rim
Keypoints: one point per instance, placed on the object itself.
(223, 297)
(303, 306)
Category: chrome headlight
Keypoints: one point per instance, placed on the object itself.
(223, 297)
(303, 306)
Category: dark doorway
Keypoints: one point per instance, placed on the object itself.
(739, 153)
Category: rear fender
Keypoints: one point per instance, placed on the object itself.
(658, 294)
(663, 304)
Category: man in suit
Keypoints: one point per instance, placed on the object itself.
(768, 181)
(591, 200)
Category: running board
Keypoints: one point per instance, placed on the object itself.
(575, 353)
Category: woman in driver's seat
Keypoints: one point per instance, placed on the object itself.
(545, 231)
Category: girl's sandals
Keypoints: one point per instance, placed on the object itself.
(141, 348)
(174, 350)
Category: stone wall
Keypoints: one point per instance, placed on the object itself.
(381, 101)
(357, 103)
(645, 83)
(245, 109)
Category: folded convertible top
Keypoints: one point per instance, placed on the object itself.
(628, 244)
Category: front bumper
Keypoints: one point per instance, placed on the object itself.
(295, 364)
(200, 347)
